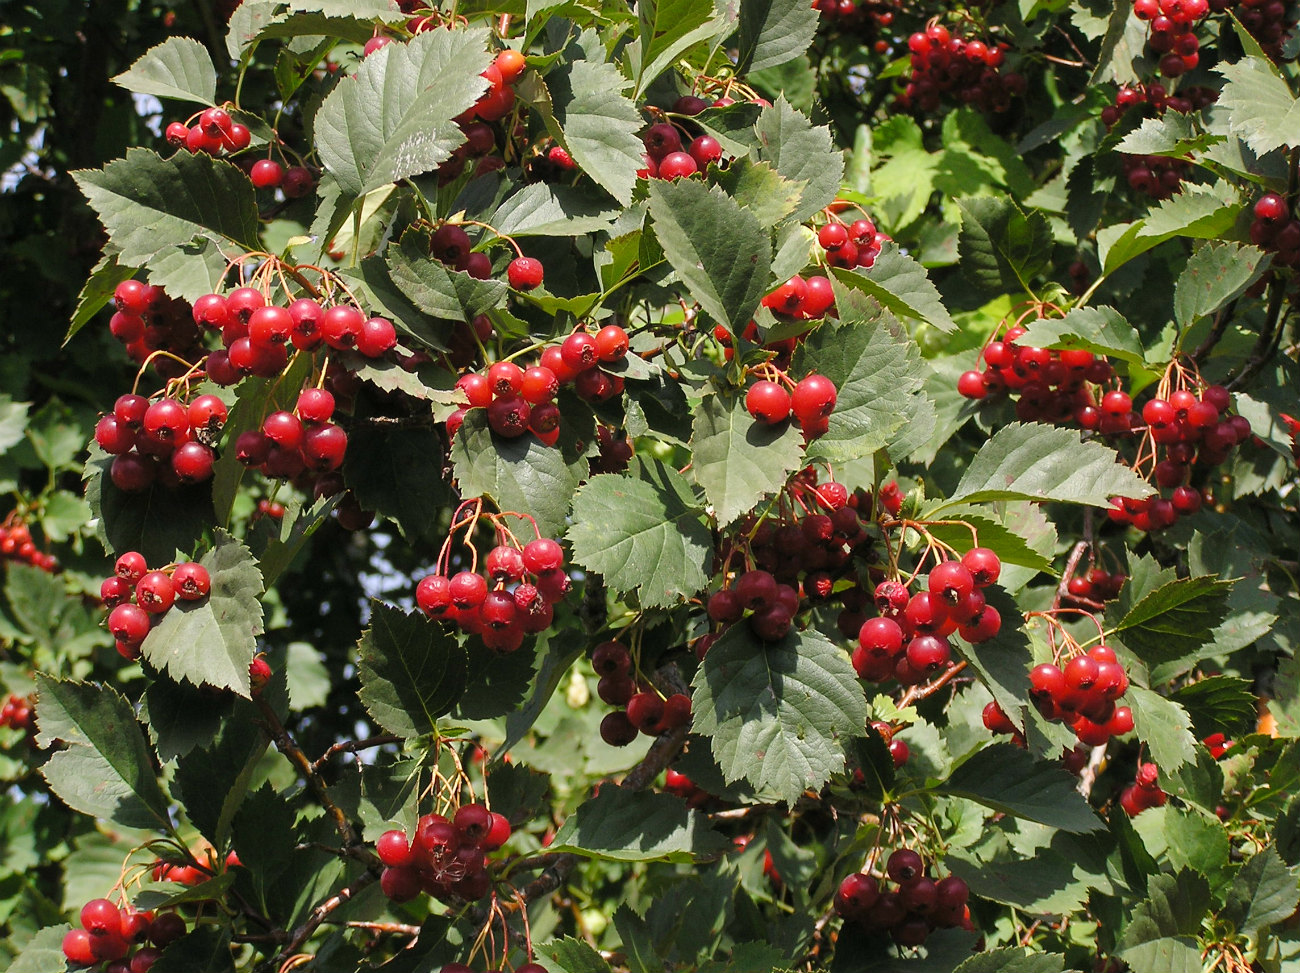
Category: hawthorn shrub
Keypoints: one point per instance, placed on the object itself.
(569, 487)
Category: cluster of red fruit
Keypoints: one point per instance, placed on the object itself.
(811, 401)
(116, 936)
(445, 858)
(771, 607)
(146, 320)
(871, 14)
(1143, 793)
(1268, 21)
(16, 544)
(1082, 694)
(191, 872)
(682, 786)
(256, 334)
(514, 599)
(1276, 230)
(518, 400)
(476, 123)
(666, 157)
(1052, 386)
(294, 181)
(166, 441)
(911, 911)
(213, 132)
(137, 597)
(944, 63)
(290, 443)
(451, 245)
(613, 451)
(1154, 175)
(645, 710)
(1095, 586)
(908, 640)
(1173, 32)
(17, 713)
(855, 245)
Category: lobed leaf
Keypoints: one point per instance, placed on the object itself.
(411, 670)
(738, 460)
(179, 67)
(620, 824)
(1100, 330)
(1005, 778)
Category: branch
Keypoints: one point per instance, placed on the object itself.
(322, 911)
(352, 746)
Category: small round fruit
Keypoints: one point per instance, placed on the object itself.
(524, 273)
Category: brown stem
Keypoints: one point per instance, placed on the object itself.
(1071, 563)
(322, 911)
(918, 693)
(352, 746)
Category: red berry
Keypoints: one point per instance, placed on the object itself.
(813, 399)
(768, 402)
(266, 173)
(524, 273)
(191, 581)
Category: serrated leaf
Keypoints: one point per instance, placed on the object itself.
(210, 782)
(1029, 461)
(1195, 212)
(1163, 726)
(1215, 274)
(619, 824)
(598, 124)
(393, 118)
(719, 250)
(779, 714)
(1167, 955)
(544, 210)
(520, 474)
(901, 285)
(1174, 619)
(1175, 906)
(411, 671)
(1196, 840)
(179, 67)
(1010, 547)
(1261, 108)
(737, 459)
(1002, 247)
(644, 533)
(438, 290)
(877, 371)
(105, 769)
(1100, 330)
(149, 204)
(181, 718)
(1012, 959)
(204, 950)
(802, 152)
(97, 292)
(398, 471)
(666, 30)
(1225, 704)
(773, 32)
(211, 642)
(573, 956)
(1171, 134)
(761, 190)
(43, 952)
(731, 125)
(1265, 892)
(1005, 778)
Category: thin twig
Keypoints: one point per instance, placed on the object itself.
(352, 746)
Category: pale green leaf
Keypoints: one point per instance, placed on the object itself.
(737, 459)
(1100, 330)
(179, 67)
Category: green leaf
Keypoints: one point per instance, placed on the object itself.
(149, 204)
(1196, 213)
(544, 210)
(105, 769)
(1002, 247)
(598, 124)
(412, 671)
(1261, 108)
(620, 824)
(1265, 892)
(878, 374)
(179, 67)
(211, 782)
(761, 190)
(1161, 935)
(1196, 840)
(901, 285)
(1029, 461)
(1167, 955)
(438, 290)
(731, 125)
(295, 529)
(1007, 779)
(1174, 619)
(737, 459)
(397, 470)
(1009, 546)
(97, 292)
(1215, 274)
(643, 532)
(43, 952)
(263, 833)
(573, 956)
(206, 949)
(1171, 134)
(1012, 959)
(1163, 726)
(523, 474)
(1100, 330)
(666, 29)
(779, 714)
(800, 151)
(1219, 703)
(773, 32)
(181, 717)
(211, 642)
(719, 250)
(393, 118)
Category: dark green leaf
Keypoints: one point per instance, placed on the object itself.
(1163, 726)
(780, 714)
(411, 671)
(1007, 779)
(643, 533)
(181, 717)
(666, 30)
(761, 190)
(555, 666)
(1261, 108)
(397, 470)
(1217, 704)
(1012, 959)
(96, 293)
(1002, 247)
(179, 67)
(518, 792)
(737, 459)
(157, 522)
(1215, 274)
(773, 32)
(626, 825)
(438, 290)
(719, 250)
(104, 769)
(263, 834)
(900, 284)
(802, 152)
(211, 642)
(1196, 213)
(393, 118)
(204, 950)
(211, 781)
(1175, 906)
(1196, 840)
(1174, 619)
(599, 124)
(1010, 547)
(1265, 892)
(1167, 955)
(571, 955)
(1101, 330)
(522, 474)
(295, 529)
(731, 125)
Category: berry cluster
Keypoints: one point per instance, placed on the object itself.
(115, 937)
(513, 597)
(908, 640)
(855, 245)
(290, 443)
(614, 451)
(146, 321)
(1276, 230)
(445, 858)
(869, 16)
(1153, 175)
(1268, 21)
(667, 157)
(167, 441)
(801, 299)
(692, 793)
(913, 909)
(17, 544)
(294, 181)
(212, 131)
(520, 400)
(811, 401)
(17, 713)
(137, 597)
(1082, 694)
(967, 70)
(479, 148)
(1143, 793)
(645, 710)
(1095, 586)
(200, 866)
(1172, 32)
